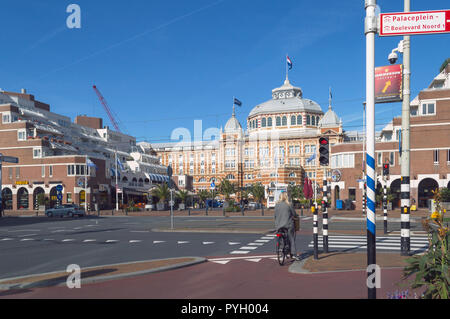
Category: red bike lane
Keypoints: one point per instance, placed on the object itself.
(238, 279)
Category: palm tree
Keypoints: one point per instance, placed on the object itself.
(162, 192)
(203, 195)
(226, 188)
(258, 193)
(296, 192)
(183, 196)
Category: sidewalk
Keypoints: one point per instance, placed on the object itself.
(100, 273)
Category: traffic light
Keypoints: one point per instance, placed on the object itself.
(386, 169)
(324, 151)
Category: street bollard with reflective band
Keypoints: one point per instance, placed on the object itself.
(315, 232)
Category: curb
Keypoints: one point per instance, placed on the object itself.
(28, 285)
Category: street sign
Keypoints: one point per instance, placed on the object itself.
(410, 23)
(59, 188)
(59, 196)
(213, 186)
(389, 83)
(336, 176)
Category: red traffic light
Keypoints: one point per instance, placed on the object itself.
(323, 141)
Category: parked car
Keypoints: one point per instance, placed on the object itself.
(254, 205)
(69, 210)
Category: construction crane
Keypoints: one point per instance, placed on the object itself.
(107, 109)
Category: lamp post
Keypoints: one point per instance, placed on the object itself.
(370, 25)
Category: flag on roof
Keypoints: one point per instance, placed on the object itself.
(237, 102)
(289, 62)
(119, 163)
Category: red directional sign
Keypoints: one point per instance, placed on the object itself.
(410, 23)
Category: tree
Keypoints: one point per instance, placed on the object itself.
(226, 188)
(203, 195)
(183, 196)
(258, 193)
(296, 192)
(162, 192)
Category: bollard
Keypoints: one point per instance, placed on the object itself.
(189, 211)
(385, 210)
(315, 233)
(301, 210)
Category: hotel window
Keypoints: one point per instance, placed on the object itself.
(269, 122)
(43, 171)
(293, 120)
(6, 118)
(313, 120)
(278, 121)
(229, 151)
(317, 120)
(69, 198)
(213, 170)
(379, 159)
(428, 109)
(284, 121)
(10, 173)
(17, 172)
(392, 158)
(263, 122)
(308, 120)
(37, 153)
(191, 171)
(436, 156)
(299, 120)
(21, 135)
(352, 194)
(448, 156)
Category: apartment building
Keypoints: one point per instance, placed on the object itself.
(80, 156)
(429, 156)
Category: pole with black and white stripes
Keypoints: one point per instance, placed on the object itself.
(385, 208)
(315, 232)
(364, 198)
(405, 161)
(325, 213)
(370, 29)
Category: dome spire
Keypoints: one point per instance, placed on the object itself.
(329, 100)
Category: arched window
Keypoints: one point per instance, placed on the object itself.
(202, 180)
(278, 121)
(299, 120)
(263, 122)
(292, 175)
(292, 120)
(317, 121)
(269, 122)
(255, 124)
(230, 176)
(313, 118)
(284, 121)
(308, 120)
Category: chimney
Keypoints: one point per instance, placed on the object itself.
(24, 91)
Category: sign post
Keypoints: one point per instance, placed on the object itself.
(412, 23)
(370, 31)
(6, 159)
(169, 173)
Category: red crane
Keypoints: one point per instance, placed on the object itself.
(107, 109)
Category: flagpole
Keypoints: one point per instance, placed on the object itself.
(117, 184)
(287, 71)
(85, 186)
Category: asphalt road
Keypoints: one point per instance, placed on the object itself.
(36, 245)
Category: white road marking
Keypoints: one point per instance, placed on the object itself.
(182, 242)
(135, 241)
(67, 240)
(111, 241)
(158, 241)
(266, 237)
(223, 262)
(255, 260)
(233, 243)
(208, 242)
(7, 239)
(89, 240)
(262, 241)
(27, 239)
(255, 244)
(240, 252)
(238, 258)
(248, 247)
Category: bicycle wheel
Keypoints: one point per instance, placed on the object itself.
(281, 250)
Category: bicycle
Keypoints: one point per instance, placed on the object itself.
(283, 246)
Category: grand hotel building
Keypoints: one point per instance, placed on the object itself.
(281, 134)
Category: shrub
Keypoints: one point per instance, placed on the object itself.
(432, 268)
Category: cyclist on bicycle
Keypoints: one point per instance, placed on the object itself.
(284, 218)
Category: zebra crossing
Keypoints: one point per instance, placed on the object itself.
(252, 246)
(418, 244)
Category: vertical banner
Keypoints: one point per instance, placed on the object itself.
(389, 83)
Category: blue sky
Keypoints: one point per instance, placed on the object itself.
(163, 64)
